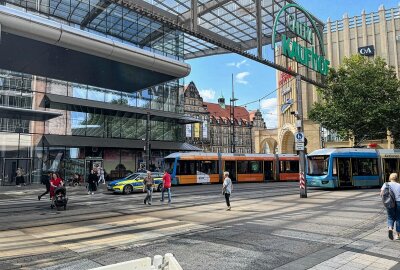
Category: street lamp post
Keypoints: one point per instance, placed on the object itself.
(232, 120)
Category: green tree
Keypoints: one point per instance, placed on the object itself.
(361, 100)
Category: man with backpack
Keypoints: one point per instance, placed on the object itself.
(390, 193)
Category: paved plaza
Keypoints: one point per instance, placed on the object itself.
(269, 227)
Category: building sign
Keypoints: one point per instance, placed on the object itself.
(285, 106)
(307, 56)
(205, 129)
(188, 130)
(197, 130)
(367, 50)
(286, 91)
(284, 77)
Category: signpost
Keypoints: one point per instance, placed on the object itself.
(306, 52)
(299, 138)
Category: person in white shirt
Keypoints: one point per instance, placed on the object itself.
(393, 213)
(100, 172)
(227, 189)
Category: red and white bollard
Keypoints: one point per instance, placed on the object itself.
(302, 181)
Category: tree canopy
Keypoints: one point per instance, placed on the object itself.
(362, 99)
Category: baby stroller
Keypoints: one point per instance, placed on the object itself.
(60, 198)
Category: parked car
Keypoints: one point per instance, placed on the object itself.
(134, 182)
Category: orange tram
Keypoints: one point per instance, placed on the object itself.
(204, 168)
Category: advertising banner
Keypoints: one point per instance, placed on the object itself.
(188, 130)
(197, 130)
(205, 129)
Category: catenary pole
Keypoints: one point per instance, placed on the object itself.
(300, 129)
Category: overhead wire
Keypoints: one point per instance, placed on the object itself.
(265, 96)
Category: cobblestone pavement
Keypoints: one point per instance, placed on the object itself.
(269, 227)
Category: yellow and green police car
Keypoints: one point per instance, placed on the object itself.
(134, 182)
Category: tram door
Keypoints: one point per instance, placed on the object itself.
(268, 171)
(230, 166)
(344, 172)
(389, 166)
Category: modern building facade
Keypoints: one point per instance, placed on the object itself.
(214, 134)
(82, 88)
(371, 35)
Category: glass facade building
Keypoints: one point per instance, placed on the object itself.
(48, 124)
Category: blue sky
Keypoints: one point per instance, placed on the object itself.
(213, 75)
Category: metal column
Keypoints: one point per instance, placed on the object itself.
(147, 147)
(259, 28)
(300, 128)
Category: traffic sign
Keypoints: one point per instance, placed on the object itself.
(299, 146)
(299, 137)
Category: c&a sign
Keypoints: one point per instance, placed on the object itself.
(307, 56)
(367, 50)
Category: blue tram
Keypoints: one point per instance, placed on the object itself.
(345, 167)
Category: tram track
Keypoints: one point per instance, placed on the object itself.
(118, 210)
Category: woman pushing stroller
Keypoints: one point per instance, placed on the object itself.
(55, 182)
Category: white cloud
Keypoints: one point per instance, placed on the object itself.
(270, 112)
(240, 77)
(237, 64)
(207, 94)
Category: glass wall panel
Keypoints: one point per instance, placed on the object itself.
(144, 99)
(157, 131)
(79, 91)
(169, 132)
(141, 128)
(112, 96)
(128, 161)
(97, 94)
(129, 128)
(95, 124)
(78, 123)
(111, 162)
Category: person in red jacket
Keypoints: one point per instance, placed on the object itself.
(55, 182)
(166, 186)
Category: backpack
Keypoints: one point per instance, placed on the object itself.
(388, 197)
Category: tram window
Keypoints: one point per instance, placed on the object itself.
(249, 167)
(318, 165)
(187, 167)
(334, 167)
(289, 166)
(365, 166)
(243, 166)
(390, 165)
(207, 166)
(169, 164)
(255, 166)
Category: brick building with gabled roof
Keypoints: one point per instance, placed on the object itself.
(215, 133)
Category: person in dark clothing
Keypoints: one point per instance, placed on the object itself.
(92, 181)
(45, 181)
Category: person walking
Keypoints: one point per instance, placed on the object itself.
(166, 186)
(92, 182)
(19, 179)
(45, 181)
(148, 183)
(102, 180)
(227, 189)
(393, 214)
(55, 182)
